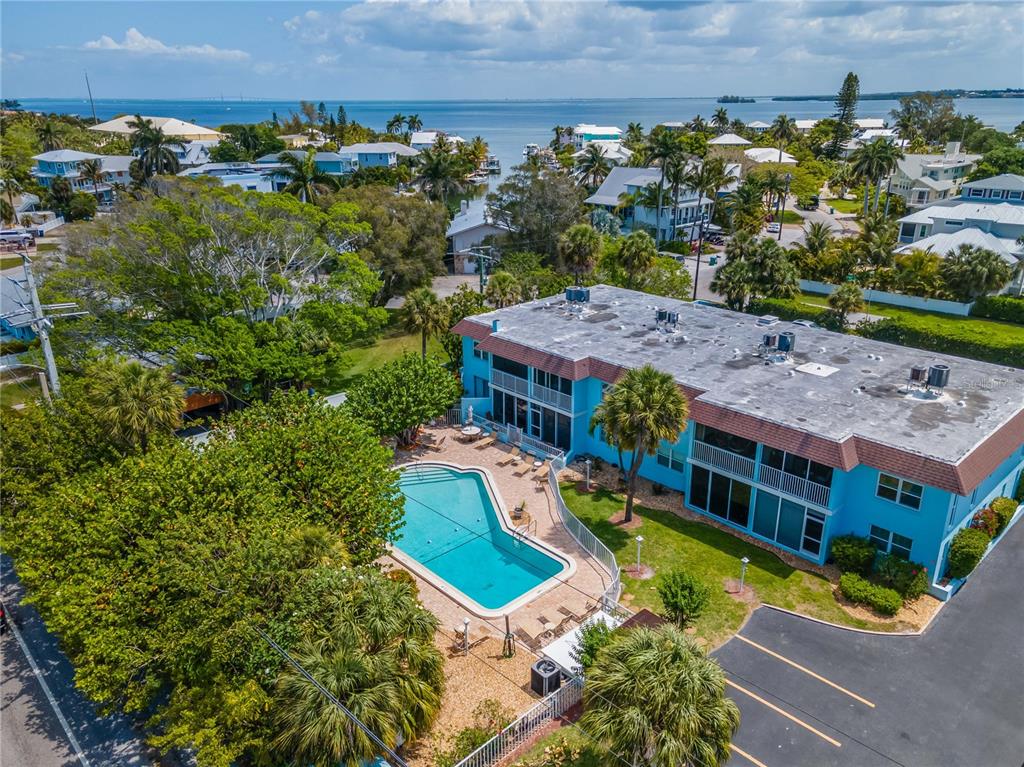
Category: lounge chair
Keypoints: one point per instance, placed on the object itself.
(437, 446)
(526, 469)
(484, 443)
(512, 456)
(542, 473)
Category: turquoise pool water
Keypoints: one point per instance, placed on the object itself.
(452, 529)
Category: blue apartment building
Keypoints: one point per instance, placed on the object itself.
(812, 435)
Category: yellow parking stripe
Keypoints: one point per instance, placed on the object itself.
(786, 714)
(807, 671)
(747, 756)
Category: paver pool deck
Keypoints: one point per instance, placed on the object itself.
(550, 613)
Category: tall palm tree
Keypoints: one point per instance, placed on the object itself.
(636, 256)
(698, 124)
(50, 135)
(817, 243)
(92, 171)
(889, 156)
(707, 177)
(720, 119)
(377, 655)
(414, 123)
(394, 125)
(423, 313)
(646, 408)
(970, 272)
(843, 177)
(477, 149)
(9, 180)
(503, 289)
(304, 178)
(773, 187)
(675, 174)
(133, 402)
(733, 283)
(745, 206)
(154, 148)
(593, 167)
(783, 130)
(662, 148)
(867, 161)
(579, 248)
(558, 130)
(439, 174)
(635, 134)
(657, 699)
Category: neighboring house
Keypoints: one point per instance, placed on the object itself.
(171, 126)
(192, 154)
(25, 202)
(334, 163)
(613, 151)
(681, 222)
(763, 154)
(427, 138)
(298, 140)
(862, 124)
(251, 176)
(924, 179)
(791, 449)
(759, 126)
(584, 133)
(805, 126)
(64, 163)
(15, 309)
(468, 229)
(378, 154)
(729, 140)
(1006, 187)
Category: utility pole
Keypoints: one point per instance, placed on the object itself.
(39, 321)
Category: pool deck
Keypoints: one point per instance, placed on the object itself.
(556, 610)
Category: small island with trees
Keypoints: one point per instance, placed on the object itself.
(735, 100)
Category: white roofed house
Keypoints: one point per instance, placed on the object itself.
(585, 133)
(759, 126)
(425, 139)
(925, 179)
(614, 151)
(729, 140)
(377, 154)
(171, 126)
(467, 230)
(805, 126)
(260, 176)
(763, 154)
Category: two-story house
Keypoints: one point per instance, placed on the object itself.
(380, 154)
(676, 221)
(925, 179)
(584, 133)
(795, 435)
(65, 163)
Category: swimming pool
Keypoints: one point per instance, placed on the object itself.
(456, 532)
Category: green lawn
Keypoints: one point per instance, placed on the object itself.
(844, 206)
(714, 555)
(590, 755)
(46, 247)
(9, 262)
(393, 344)
(18, 392)
(792, 217)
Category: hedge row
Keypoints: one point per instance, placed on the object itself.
(787, 309)
(959, 339)
(1005, 308)
(856, 589)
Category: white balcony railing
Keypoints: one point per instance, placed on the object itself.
(509, 382)
(722, 459)
(552, 397)
(795, 486)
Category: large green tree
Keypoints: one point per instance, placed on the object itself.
(845, 115)
(535, 206)
(464, 302)
(654, 697)
(970, 272)
(640, 411)
(636, 256)
(398, 398)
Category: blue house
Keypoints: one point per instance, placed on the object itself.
(333, 163)
(64, 163)
(796, 434)
(379, 154)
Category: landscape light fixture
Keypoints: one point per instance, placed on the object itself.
(587, 464)
(743, 572)
(639, 540)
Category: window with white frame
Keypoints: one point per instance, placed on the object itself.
(899, 491)
(479, 354)
(672, 457)
(890, 542)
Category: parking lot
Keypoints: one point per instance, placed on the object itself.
(813, 695)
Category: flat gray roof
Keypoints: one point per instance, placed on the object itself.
(715, 350)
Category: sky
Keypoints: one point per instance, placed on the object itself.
(512, 49)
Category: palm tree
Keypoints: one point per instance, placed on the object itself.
(816, 245)
(845, 299)
(971, 271)
(706, 178)
(774, 275)
(593, 167)
(394, 125)
(503, 289)
(10, 182)
(556, 142)
(154, 147)
(579, 248)
(889, 156)
(634, 134)
(868, 161)
(133, 402)
(919, 273)
(50, 135)
(720, 119)
(423, 313)
(92, 171)
(439, 174)
(662, 148)
(783, 130)
(732, 282)
(656, 698)
(773, 187)
(377, 655)
(636, 256)
(414, 123)
(7, 214)
(698, 124)
(843, 176)
(304, 178)
(477, 150)
(643, 409)
(745, 206)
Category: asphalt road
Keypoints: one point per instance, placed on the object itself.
(31, 731)
(826, 697)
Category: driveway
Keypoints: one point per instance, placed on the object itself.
(814, 696)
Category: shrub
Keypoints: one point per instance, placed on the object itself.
(853, 554)
(975, 340)
(559, 754)
(489, 718)
(1005, 308)
(404, 576)
(685, 596)
(908, 579)
(592, 638)
(1004, 508)
(13, 347)
(987, 521)
(883, 600)
(966, 550)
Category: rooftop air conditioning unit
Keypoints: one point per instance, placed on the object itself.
(770, 340)
(787, 342)
(938, 376)
(919, 375)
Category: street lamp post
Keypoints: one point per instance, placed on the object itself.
(700, 246)
(789, 177)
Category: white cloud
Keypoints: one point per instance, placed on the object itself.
(10, 57)
(325, 59)
(137, 43)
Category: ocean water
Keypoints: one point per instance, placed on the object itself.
(509, 125)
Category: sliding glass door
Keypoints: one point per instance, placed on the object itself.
(719, 495)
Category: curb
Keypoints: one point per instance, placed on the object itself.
(919, 632)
